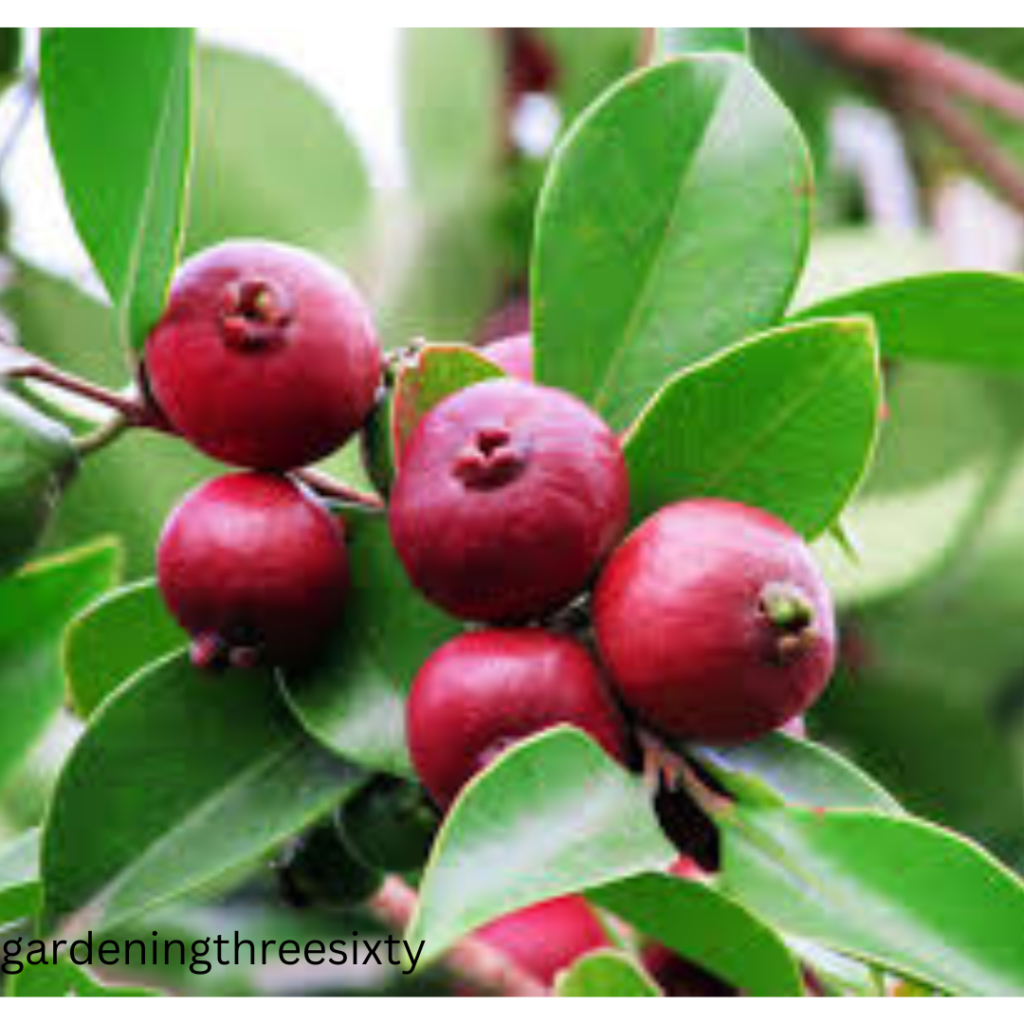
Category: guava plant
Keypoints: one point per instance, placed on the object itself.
(501, 644)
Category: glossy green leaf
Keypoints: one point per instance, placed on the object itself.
(896, 891)
(64, 979)
(19, 877)
(782, 769)
(918, 742)
(647, 204)
(675, 41)
(971, 318)
(451, 81)
(115, 637)
(118, 106)
(786, 421)
(272, 160)
(354, 702)
(603, 974)
(191, 777)
(942, 455)
(552, 815)
(35, 606)
(707, 928)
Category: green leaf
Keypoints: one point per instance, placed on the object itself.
(190, 777)
(918, 742)
(707, 928)
(647, 207)
(114, 638)
(118, 113)
(35, 606)
(354, 702)
(674, 41)
(786, 421)
(602, 974)
(942, 455)
(896, 891)
(970, 318)
(451, 81)
(781, 769)
(62, 979)
(272, 160)
(553, 815)
(19, 878)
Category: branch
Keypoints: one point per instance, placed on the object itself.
(900, 56)
(478, 964)
(991, 162)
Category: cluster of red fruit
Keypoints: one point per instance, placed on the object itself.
(709, 622)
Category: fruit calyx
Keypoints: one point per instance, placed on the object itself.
(791, 617)
(211, 652)
(492, 459)
(255, 315)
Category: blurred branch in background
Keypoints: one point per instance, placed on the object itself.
(923, 80)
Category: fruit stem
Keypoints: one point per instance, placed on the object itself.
(475, 962)
(134, 412)
(327, 487)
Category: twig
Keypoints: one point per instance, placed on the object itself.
(478, 964)
(134, 412)
(991, 162)
(327, 487)
(896, 54)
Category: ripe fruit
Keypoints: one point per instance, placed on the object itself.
(514, 355)
(265, 357)
(482, 692)
(254, 568)
(508, 498)
(37, 460)
(714, 622)
(548, 937)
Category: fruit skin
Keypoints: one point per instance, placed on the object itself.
(37, 461)
(682, 620)
(514, 355)
(265, 357)
(508, 498)
(479, 693)
(255, 569)
(548, 937)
